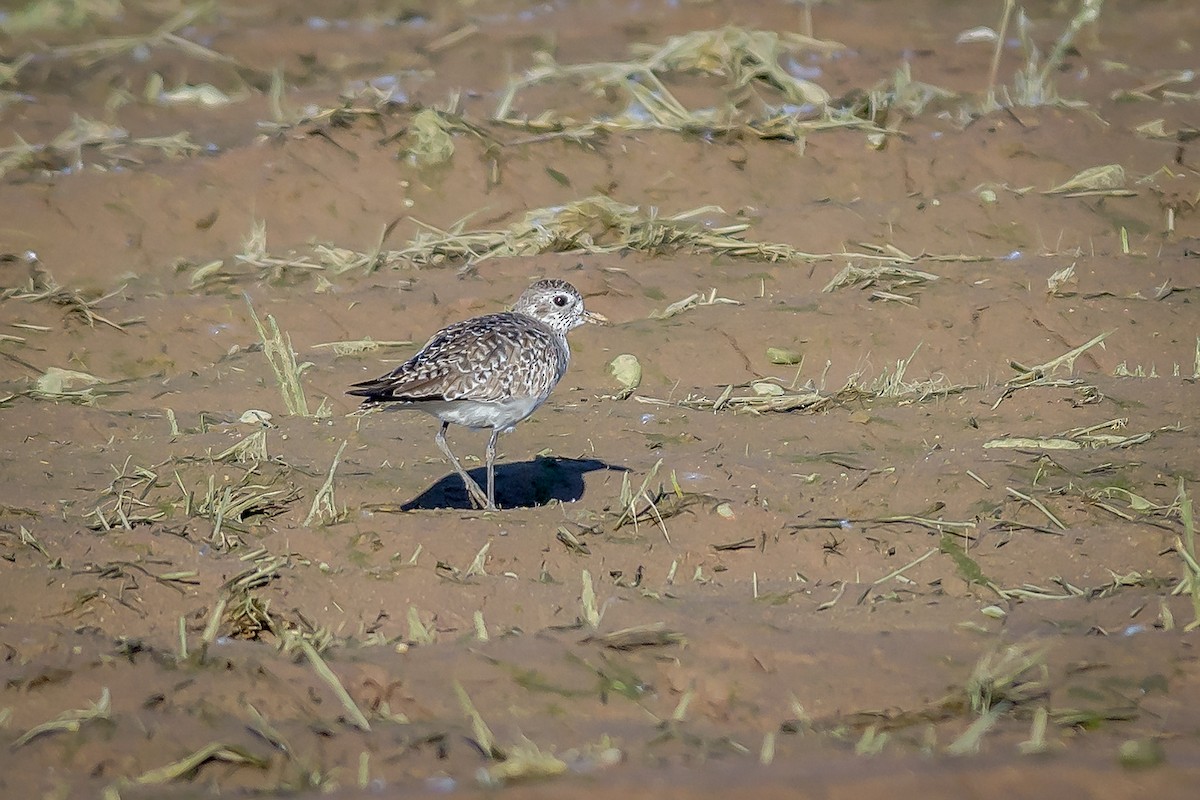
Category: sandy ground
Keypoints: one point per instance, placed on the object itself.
(807, 600)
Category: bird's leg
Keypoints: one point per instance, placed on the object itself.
(473, 491)
(491, 468)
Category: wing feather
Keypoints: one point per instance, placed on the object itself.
(489, 358)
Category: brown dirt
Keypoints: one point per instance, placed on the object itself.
(797, 639)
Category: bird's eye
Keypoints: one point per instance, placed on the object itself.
(560, 300)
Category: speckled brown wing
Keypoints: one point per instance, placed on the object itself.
(485, 359)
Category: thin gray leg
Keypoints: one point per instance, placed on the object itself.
(473, 491)
(491, 468)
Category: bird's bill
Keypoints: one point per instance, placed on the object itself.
(595, 319)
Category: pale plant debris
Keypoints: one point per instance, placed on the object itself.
(1142, 753)
(430, 134)
(126, 569)
(969, 741)
(785, 357)
(41, 15)
(1156, 129)
(478, 564)
(354, 714)
(8, 75)
(481, 631)
(766, 752)
(279, 269)
(42, 287)
(936, 525)
(1038, 504)
(744, 57)
(523, 761)
(445, 571)
(418, 631)
(231, 506)
(872, 742)
(889, 297)
(894, 384)
(29, 540)
(627, 371)
(1089, 437)
(651, 635)
(614, 677)
(890, 254)
(587, 601)
(356, 347)
(664, 503)
(209, 635)
(277, 348)
(129, 505)
(249, 616)
(1156, 90)
(186, 767)
(165, 35)
(807, 399)
(1126, 504)
(431, 131)
(1136, 506)
(365, 102)
(452, 38)
(967, 567)
(1016, 675)
(899, 572)
(630, 499)
(250, 449)
(58, 385)
(70, 721)
(1042, 374)
(65, 151)
(1185, 546)
(1057, 285)
(207, 276)
(591, 225)
(324, 505)
(902, 93)
(694, 300)
(1106, 180)
(572, 542)
(483, 737)
(1033, 84)
(1122, 370)
(247, 494)
(255, 263)
(202, 94)
(1032, 443)
(771, 396)
(745, 61)
(264, 568)
(595, 224)
(892, 277)
(1011, 681)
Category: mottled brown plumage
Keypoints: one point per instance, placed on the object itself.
(488, 372)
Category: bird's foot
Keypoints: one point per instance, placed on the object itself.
(479, 498)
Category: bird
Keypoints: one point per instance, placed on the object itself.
(491, 371)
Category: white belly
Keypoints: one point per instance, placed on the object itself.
(502, 414)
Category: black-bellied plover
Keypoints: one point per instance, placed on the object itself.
(488, 372)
